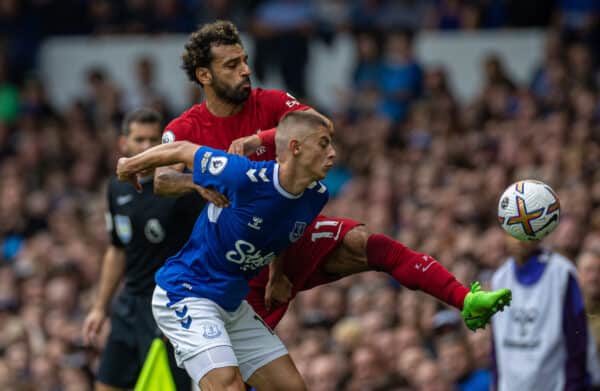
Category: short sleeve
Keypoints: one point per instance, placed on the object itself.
(109, 219)
(267, 149)
(324, 197)
(320, 196)
(180, 129)
(280, 103)
(218, 169)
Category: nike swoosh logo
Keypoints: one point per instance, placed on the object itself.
(122, 200)
(428, 266)
(182, 313)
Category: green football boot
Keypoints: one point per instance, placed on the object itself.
(479, 306)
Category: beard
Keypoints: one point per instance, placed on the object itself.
(235, 95)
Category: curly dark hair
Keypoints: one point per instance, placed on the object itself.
(197, 49)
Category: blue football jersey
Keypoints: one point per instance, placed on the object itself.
(229, 246)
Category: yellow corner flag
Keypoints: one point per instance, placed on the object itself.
(156, 374)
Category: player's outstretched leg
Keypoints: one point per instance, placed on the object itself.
(226, 378)
(479, 306)
(278, 375)
(416, 271)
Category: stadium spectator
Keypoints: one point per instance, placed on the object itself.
(326, 373)
(147, 93)
(458, 365)
(102, 17)
(401, 75)
(172, 16)
(588, 267)
(578, 18)
(428, 377)
(281, 29)
(454, 15)
(367, 370)
(368, 65)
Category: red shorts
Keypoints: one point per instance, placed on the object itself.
(302, 264)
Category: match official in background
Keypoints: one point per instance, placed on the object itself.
(541, 341)
(145, 230)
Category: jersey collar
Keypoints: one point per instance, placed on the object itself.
(531, 271)
(280, 189)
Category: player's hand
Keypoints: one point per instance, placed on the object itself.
(211, 195)
(92, 325)
(278, 291)
(245, 146)
(126, 175)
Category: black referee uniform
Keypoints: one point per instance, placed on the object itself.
(149, 228)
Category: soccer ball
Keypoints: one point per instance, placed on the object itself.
(529, 210)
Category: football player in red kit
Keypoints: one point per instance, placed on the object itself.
(329, 248)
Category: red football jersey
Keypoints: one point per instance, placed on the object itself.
(262, 111)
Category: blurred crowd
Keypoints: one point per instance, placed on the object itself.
(25, 23)
(413, 163)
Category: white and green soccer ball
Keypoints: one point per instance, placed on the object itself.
(529, 210)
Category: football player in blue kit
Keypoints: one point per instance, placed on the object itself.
(199, 301)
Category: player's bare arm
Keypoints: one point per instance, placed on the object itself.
(279, 287)
(113, 268)
(181, 152)
(246, 146)
(171, 181)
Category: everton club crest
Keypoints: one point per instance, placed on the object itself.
(297, 231)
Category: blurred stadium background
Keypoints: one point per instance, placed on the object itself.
(438, 104)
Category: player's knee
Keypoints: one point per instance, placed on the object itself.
(356, 241)
(237, 386)
(299, 386)
(294, 383)
(226, 379)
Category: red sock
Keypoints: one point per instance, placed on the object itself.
(415, 270)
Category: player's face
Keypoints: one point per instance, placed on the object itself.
(141, 136)
(519, 249)
(589, 274)
(230, 73)
(317, 153)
